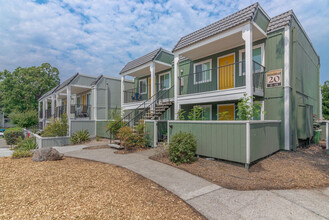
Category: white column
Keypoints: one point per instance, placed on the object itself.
(43, 109)
(287, 88)
(122, 94)
(38, 109)
(176, 85)
(320, 104)
(247, 36)
(152, 70)
(68, 108)
(95, 102)
(53, 106)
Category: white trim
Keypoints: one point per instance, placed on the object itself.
(247, 37)
(176, 85)
(155, 136)
(146, 65)
(230, 54)
(258, 28)
(139, 86)
(201, 63)
(228, 104)
(205, 106)
(80, 86)
(227, 122)
(287, 88)
(248, 143)
(162, 63)
(327, 136)
(262, 115)
(209, 40)
(162, 74)
(320, 104)
(262, 51)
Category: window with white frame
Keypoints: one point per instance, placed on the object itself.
(142, 86)
(206, 113)
(202, 72)
(164, 81)
(257, 56)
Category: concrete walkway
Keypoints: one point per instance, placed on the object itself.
(211, 200)
(4, 149)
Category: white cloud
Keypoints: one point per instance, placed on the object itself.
(96, 37)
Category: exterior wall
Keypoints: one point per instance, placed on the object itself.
(261, 20)
(83, 80)
(323, 130)
(43, 142)
(101, 130)
(149, 132)
(221, 140)
(304, 66)
(264, 140)
(88, 125)
(165, 57)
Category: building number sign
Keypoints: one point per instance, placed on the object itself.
(274, 78)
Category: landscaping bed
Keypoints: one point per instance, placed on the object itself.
(305, 169)
(80, 189)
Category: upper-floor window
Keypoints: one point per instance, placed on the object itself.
(257, 56)
(164, 81)
(142, 86)
(202, 72)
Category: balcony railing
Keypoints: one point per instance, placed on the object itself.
(79, 111)
(221, 78)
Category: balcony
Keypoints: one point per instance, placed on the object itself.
(77, 112)
(221, 78)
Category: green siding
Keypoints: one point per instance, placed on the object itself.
(149, 132)
(225, 141)
(83, 125)
(162, 127)
(165, 57)
(101, 130)
(264, 140)
(323, 132)
(261, 20)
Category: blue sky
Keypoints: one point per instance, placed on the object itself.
(99, 37)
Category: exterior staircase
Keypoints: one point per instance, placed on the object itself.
(160, 108)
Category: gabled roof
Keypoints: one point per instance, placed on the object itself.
(280, 21)
(97, 80)
(246, 14)
(49, 92)
(141, 60)
(66, 82)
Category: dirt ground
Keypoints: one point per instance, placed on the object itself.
(305, 169)
(80, 189)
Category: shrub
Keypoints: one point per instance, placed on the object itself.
(26, 144)
(139, 136)
(246, 111)
(196, 113)
(181, 114)
(56, 128)
(25, 119)
(79, 137)
(182, 148)
(21, 153)
(13, 135)
(127, 137)
(115, 123)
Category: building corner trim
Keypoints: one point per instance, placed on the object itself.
(287, 88)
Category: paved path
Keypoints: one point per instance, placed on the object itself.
(4, 149)
(211, 200)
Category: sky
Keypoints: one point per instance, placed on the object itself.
(100, 36)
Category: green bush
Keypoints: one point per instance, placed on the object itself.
(182, 148)
(127, 137)
(26, 144)
(115, 123)
(139, 136)
(13, 135)
(56, 128)
(25, 119)
(21, 153)
(79, 137)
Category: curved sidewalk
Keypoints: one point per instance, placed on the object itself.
(213, 201)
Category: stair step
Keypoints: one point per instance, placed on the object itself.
(116, 146)
(117, 142)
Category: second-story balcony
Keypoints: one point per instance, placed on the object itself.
(77, 112)
(221, 78)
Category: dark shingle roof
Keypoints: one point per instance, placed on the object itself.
(49, 92)
(279, 21)
(96, 81)
(66, 82)
(140, 61)
(230, 21)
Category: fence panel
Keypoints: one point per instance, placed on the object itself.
(83, 125)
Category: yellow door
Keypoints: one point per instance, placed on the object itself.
(226, 72)
(149, 85)
(83, 100)
(226, 112)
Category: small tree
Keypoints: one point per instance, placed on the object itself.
(196, 113)
(126, 136)
(25, 119)
(246, 110)
(115, 122)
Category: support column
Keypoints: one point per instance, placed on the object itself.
(53, 106)
(152, 70)
(122, 93)
(287, 88)
(247, 36)
(320, 104)
(43, 110)
(176, 85)
(68, 108)
(39, 110)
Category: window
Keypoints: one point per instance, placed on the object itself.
(206, 113)
(88, 100)
(202, 72)
(257, 56)
(142, 86)
(164, 81)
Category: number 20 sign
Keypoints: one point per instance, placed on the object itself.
(274, 78)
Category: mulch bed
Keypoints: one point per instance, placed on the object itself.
(80, 189)
(306, 168)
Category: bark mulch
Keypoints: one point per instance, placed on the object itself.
(306, 168)
(80, 189)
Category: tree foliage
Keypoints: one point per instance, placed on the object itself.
(25, 119)
(325, 100)
(21, 89)
(246, 111)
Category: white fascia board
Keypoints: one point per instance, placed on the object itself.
(261, 30)
(162, 63)
(209, 40)
(146, 65)
(80, 86)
